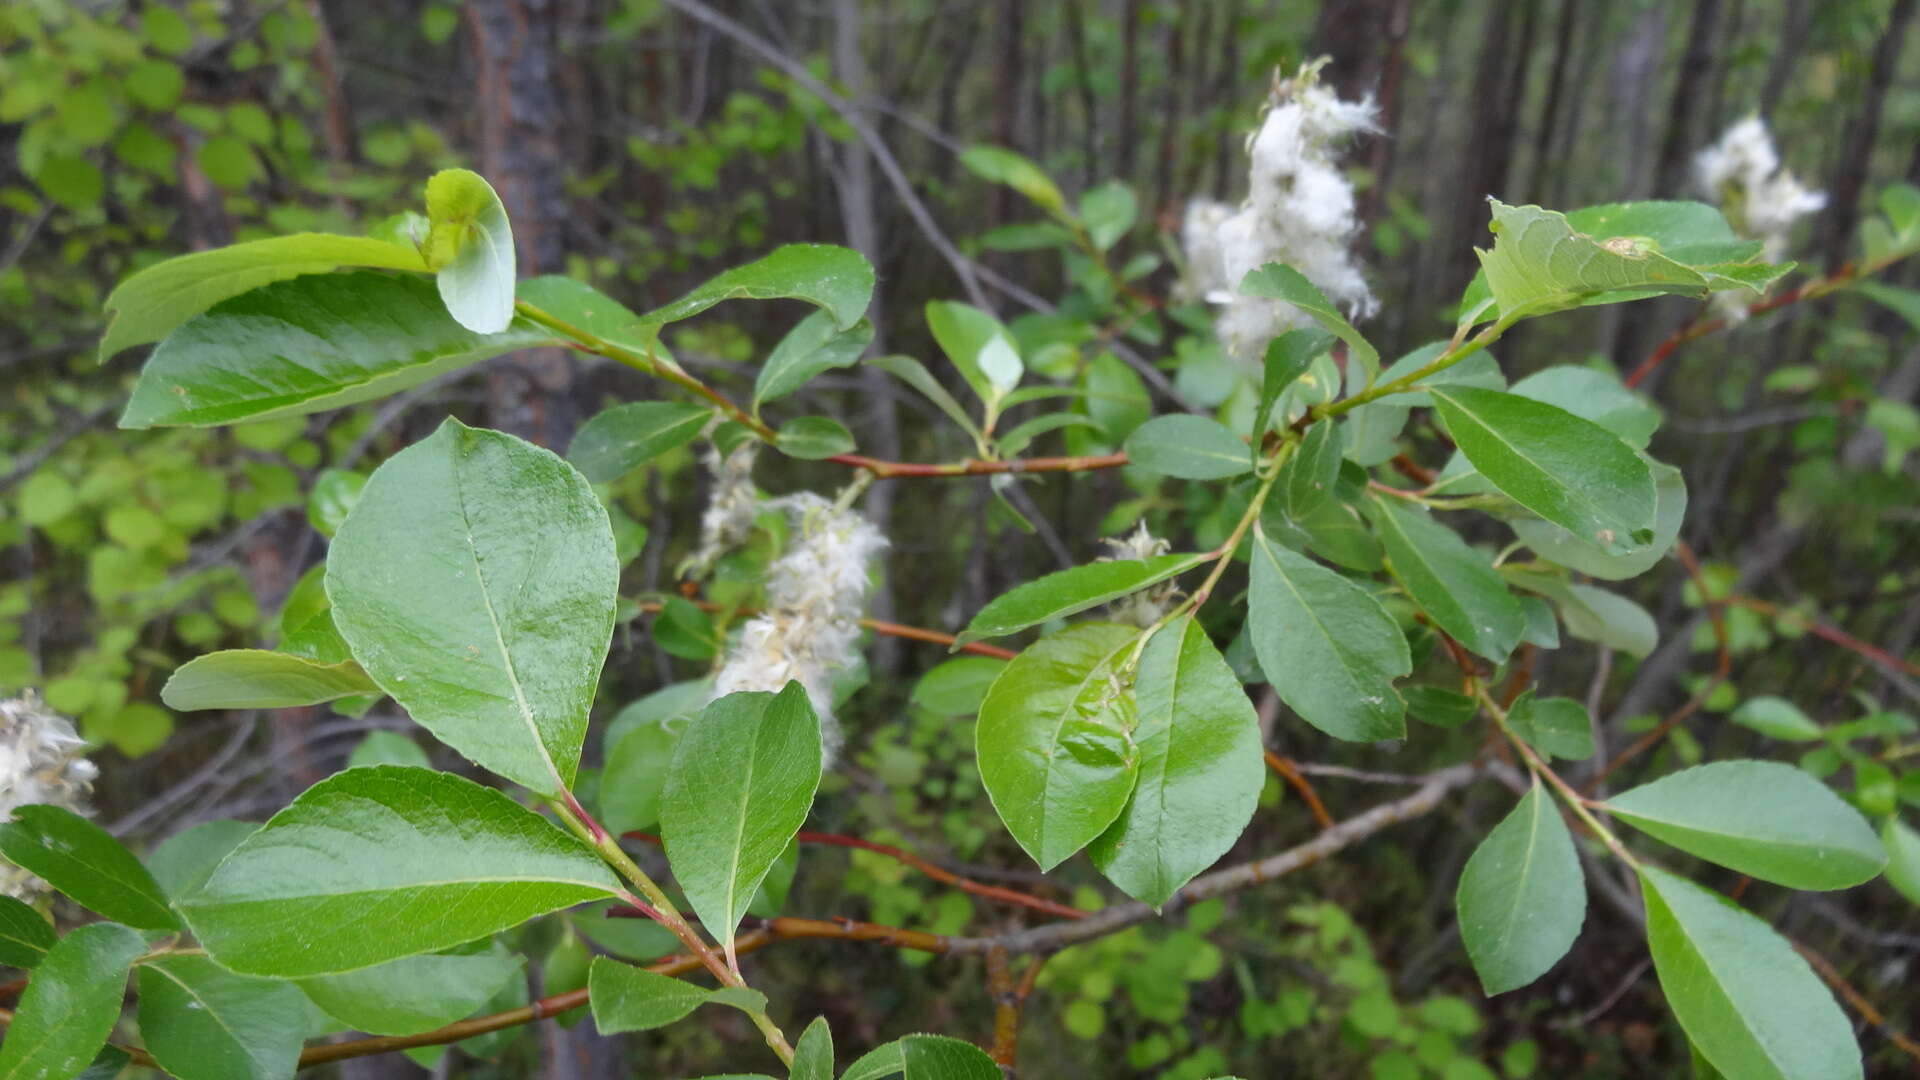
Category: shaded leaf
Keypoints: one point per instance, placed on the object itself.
(261, 679)
(621, 439)
(1281, 282)
(1327, 646)
(199, 1020)
(414, 993)
(1188, 447)
(1522, 897)
(25, 934)
(1454, 584)
(814, 346)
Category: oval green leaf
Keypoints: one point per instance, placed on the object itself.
(379, 863)
(1055, 740)
(201, 1020)
(627, 998)
(1748, 1002)
(148, 305)
(1568, 470)
(25, 934)
(81, 860)
(818, 344)
(811, 438)
(1200, 769)
(1069, 592)
(1327, 646)
(742, 780)
(71, 1003)
(1454, 584)
(1522, 897)
(1777, 718)
(414, 993)
(313, 343)
(1762, 818)
(475, 582)
(621, 439)
(261, 679)
(1188, 447)
(837, 279)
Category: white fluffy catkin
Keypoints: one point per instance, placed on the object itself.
(816, 594)
(41, 761)
(1742, 171)
(1299, 211)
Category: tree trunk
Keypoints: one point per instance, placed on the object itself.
(1863, 127)
(1676, 147)
(518, 96)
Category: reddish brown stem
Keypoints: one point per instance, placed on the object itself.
(1291, 774)
(937, 873)
(1699, 328)
(1830, 633)
(887, 469)
(1858, 1001)
(878, 626)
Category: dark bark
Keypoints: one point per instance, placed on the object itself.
(1006, 106)
(1129, 86)
(1863, 128)
(1544, 126)
(1689, 100)
(518, 104)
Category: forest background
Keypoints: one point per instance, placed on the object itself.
(645, 145)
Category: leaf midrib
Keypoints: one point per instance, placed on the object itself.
(1572, 494)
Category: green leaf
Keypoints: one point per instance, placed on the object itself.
(683, 630)
(1748, 1002)
(388, 748)
(1540, 264)
(1761, 818)
(475, 582)
(1776, 718)
(301, 346)
(1002, 166)
(813, 1054)
(332, 498)
(836, 279)
(1288, 357)
(148, 305)
(1188, 447)
(1109, 211)
(621, 439)
(260, 679)
(1327, 646)
(1055, 740)
(1556, 544)
(71, 1003)
(1558, 727)
(1279, 281)
(811, 438)
(81, 860)
(1453, 583)
(627, 998)
(1597, 396)
(956, 687)
(742, 780)
(471, 248)
(414, 993)
(1570, 471)
(1069, 592)
(1200, 771)
(200, 1020)
(1308, 478)
(379, 863)
(183, 862)
(1522, 896)
(1903, 857)
(1594, 614)
(25, 934)
(1442, 708)
(924, 1057)
(980, 347)
(915, 374)
(635, 774)
(814, 346)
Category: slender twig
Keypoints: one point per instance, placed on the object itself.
(1722, 668)
(894, 469)
(1859, 1002)
(878, 626)
(1290, 772)
(1834, 634)
(1701, 327)
(945, 876)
